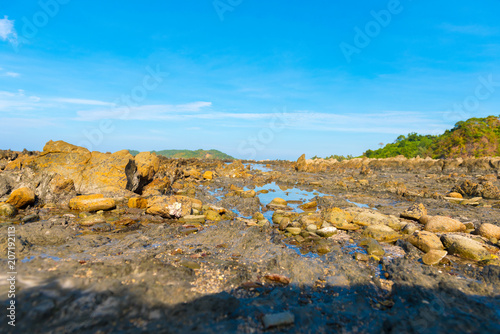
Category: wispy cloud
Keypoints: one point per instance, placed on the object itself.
(7, 30)
(12, 74)
(146, 113)
(476, 29)
(84, 102)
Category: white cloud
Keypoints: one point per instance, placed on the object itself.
(145, 113)
(7, 31)
(12, 74)
(84, 102)
(478, 30)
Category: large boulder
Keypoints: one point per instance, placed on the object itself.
(91, 172)
(489, 231)
(425, 241)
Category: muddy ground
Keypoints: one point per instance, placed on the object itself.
(159, 275)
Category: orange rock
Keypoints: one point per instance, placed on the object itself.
(21, 198)
(92, 203)
(170, 206)
(138, 202)
(208, 175)
(454, 195)
(441, 224)
(147, 164)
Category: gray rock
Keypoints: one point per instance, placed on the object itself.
(278, 319)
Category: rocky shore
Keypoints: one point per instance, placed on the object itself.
(110, 243)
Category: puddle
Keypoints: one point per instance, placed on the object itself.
(359, 205)
(43, 256)
(261, 167)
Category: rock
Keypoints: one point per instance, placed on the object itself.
(301, 164)
(323, 249)
(425, 241)
(294, 230)
(248, 194)
(5, 186)
(208, 175)
(91, 172)
(92, 203)
(414, 212)
(372, 247)
(312, 228)
(7, 210)
(409, 228)
(284, 223)
(361, 257)
(455, 195)
(157, 187)
(434, 256)
(367, 217)
(326, 232)
(381, 233)
(169, 206)
(278, 201)
(21, 198)
(92, 220)
(148, 165)
(194, 173)
(30, 218)
(309, 206)
(193, 219)
(212, 215)
(441, 224)
(489, 231)
(336, 216)
(278, 319)
(484, 189)
(61, 185)
(138, 203)
(464, 247)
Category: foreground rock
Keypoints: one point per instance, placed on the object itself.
(489, 231)
(92, 203)
(21, 198)
(441, 224)
(464, 247)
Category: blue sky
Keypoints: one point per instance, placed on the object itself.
(254, 79)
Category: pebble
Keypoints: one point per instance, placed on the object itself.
(326, 232)
(278, 319)
(30, 218)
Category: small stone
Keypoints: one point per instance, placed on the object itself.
(7, 210)
(299, 238)
(381, 233)
(193, 219)
(441, 224)
(372, 247)
(208, 175)
(278, 319)
(454, 195)
(21, 198)
(30, 218)
(464, 247)
(294, 230)
(92, 220)
(434, 256)
(409, 228)
(361, 257)
(212, 215)
(278, 201)
(425, 241)
(414, 212)
(326, 232)
(284, 223)
(489, 231)
(309, 206)
(323, 249)
(312, 228)
(190, 264)
(248, 194)
(92, 203)
(138, 202)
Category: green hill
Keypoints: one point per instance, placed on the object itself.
(200, 154)
(475, 137)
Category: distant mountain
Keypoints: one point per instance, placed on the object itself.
(475, 137)
(200, 154)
